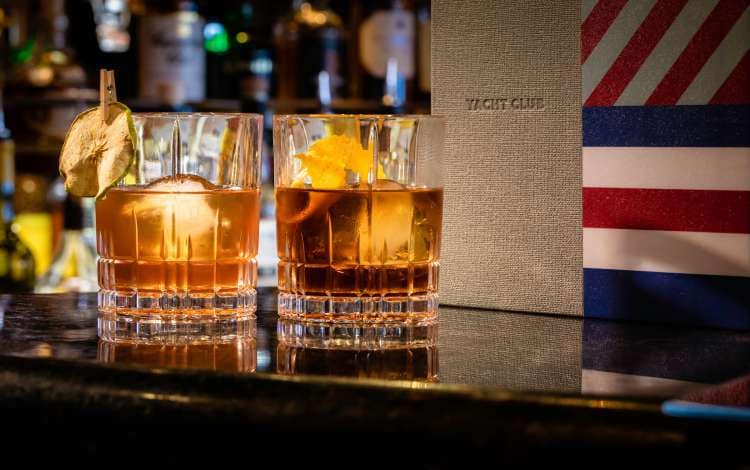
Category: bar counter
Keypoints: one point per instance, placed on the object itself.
(501, 386)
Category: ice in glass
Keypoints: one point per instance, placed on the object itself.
(178, 235)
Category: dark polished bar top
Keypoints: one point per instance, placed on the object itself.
(516, 387)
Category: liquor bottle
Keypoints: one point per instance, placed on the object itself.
(308, 41)
(386, 36)
(16, 261)
(112, 20)
(248, 66)
(46, 81)
(73, 267)
(48, 63)
(216, 44)
(172, 65)
(255, 86)
(103, 34)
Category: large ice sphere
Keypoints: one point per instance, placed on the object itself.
(175, 219)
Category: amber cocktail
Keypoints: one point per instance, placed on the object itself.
(178, 238)
(359, 205)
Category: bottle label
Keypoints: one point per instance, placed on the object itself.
(173, 61)
(387, 34)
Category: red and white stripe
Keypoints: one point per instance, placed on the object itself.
(664, 52)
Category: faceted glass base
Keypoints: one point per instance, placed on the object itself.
(175, 329)
(167, 319)
(357, 336)
(169, 304)
(408, 308)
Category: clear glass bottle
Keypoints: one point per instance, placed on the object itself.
(51, 64)
(47, 83)
(73, 267)
(16, 261)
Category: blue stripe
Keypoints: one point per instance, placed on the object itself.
(683, 353)
(667, 126)
(686, 409)
(715, 301)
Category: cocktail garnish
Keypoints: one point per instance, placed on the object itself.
(327, 160)
(99, 147)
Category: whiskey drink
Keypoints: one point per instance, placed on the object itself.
(178, 237)
(359, 242)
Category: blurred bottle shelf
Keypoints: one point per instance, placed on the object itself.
(279, 106)
(352, 105)
(49, 148)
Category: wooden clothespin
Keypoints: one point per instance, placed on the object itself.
(107, 91)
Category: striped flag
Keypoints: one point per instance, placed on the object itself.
(666, 160)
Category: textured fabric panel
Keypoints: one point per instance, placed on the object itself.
(507, 75)
(510, 350)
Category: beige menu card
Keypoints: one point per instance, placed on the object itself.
(507, 75)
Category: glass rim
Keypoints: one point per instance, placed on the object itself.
(423, 117)
(196, 114)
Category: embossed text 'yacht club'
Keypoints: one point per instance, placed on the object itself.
(505, 104)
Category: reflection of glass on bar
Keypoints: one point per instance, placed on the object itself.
(359, 216)
(390, 352)
(179, 235)
(237, 355)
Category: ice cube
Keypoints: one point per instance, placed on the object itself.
(181, 184)
(352, 179)
(392, 213)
